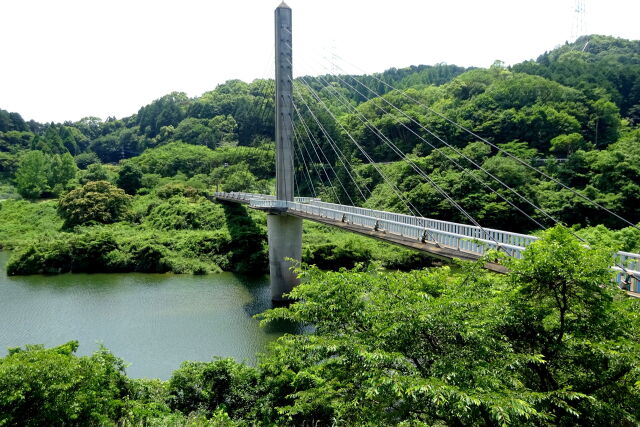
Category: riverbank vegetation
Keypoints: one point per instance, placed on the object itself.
(554, 342)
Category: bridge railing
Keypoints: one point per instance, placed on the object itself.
(246, 197)
(472, 245)
(461, 237)
(499, 236)
(629, 277)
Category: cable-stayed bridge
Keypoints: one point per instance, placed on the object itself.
(302, 134)
(441, 239)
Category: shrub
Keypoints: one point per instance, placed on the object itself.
(53, 386)
(209, 386)
(96, 202)
(170, 190)
(179, 213)
(129, 178)
(333, 256)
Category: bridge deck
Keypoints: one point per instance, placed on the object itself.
(441, 239)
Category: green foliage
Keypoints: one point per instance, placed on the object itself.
(8, 165)
(332, 256)
(249, 250)
(179, 234)
(40, 174)
(205, 387)
(165, 111)
(31, 176)
(41, 386)
(94, 172)
(24, 221)
(594, 64)
(53, 386)
(170, 190)
(551, 343)
(11, 122)
(94, 250)
(62, 169)
(238, 177)
(94, 202)
(129, 178)
(15, 141)
(214, 132)
(172, 158)
(84, 160)
(180, 213)
(567, 144)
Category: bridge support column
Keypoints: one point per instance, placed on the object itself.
(285, 232)
(285, 241)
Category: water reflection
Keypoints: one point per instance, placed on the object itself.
(153, 321)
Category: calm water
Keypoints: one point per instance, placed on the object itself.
(152, 321)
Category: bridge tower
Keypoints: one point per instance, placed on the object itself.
(284, 231)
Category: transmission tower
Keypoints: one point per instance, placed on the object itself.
(578, 27)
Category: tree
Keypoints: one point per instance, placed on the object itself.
(62, 169)
(95, 202)
(94, 172)
(567, 144)
(84, 160)
(31, 176)
(207, 386)
(129, 178)
(53, 386)
(551, 342)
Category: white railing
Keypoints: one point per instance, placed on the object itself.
(460, 237)
(631, 277)
(470, 231)
(246, 197)
(471, 245)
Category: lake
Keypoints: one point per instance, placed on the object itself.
(152, 321)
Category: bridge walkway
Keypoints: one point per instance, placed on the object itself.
(441, 239)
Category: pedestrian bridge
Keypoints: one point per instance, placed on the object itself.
(442, 239)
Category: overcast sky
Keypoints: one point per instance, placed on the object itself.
(67, 59)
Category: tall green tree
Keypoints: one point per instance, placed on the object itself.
(62, 169)
(32, 175)
(129, 178)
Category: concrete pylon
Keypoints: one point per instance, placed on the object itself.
(284, 231)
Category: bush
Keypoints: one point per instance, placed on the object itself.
(96, 202)
(179, 213)
(94, 172)
(53, 386)
(333, 256)
(170, 190)
(91, 251)
(204, 387)
(84, 160)
(22, 221)
(129, 178)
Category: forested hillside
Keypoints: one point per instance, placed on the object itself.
(553, 342)
(571, 113)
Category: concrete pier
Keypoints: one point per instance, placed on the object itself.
(284, 231)
(285, 241)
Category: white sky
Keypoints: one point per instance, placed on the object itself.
(67, 59)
